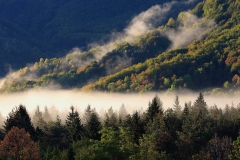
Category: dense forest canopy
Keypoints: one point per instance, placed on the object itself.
(190, 131)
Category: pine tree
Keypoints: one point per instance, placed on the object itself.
(155, 108)
(38, 116)
(185, 111)
(74, 125)
(110, 119)
(46, 115)
(122, 114)
(136, 125)
(176, 106)
(20, 118)
(200, 105)
(93, 126)
(87, 114)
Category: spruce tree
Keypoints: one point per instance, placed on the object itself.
(111, 119)
(93, 126)
(155, 108)
(176, 106)
(74, 125)
(46, 115)
(20, 118)
(200, 105)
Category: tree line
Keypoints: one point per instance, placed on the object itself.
(193, 131)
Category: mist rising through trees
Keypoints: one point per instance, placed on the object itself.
(153, 133)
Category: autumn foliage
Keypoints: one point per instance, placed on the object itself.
(18, 145)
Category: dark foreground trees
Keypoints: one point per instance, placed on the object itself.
(197, 131)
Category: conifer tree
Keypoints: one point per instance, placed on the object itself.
(87, 114)
(110, 119)
(177, 107)
(93, 126)
(155, 107)
(74, 125)
(200, 105)
(46, 115)
(37, 115)
(122, 114)
(136, 125)
(20, 118)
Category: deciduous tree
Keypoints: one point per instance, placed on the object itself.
(18, 145)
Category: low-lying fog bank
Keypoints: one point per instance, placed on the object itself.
(59, 101)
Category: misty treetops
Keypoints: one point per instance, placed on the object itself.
(192, 131)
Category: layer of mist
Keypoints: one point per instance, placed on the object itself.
(59, 101)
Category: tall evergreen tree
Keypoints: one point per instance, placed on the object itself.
(37, 116)
(177, 107)
(122, 113)
(20, 118)
(46, 115)
(74, 125)
(87, 114)
(93, 126)
(136, 125)
(200, 105)
(155, 107)
(110, 119)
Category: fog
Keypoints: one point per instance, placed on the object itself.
(192, 28)
(59, 101)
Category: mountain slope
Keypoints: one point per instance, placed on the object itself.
(209, 58)
(213, 62)
(47, 29)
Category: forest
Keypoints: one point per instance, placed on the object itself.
(199, 45)
(152, 46)
(194, 131)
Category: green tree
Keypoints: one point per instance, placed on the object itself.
(111, 119)
(200, 105)
(177, 107)
(136, 125)
(122, 113)
(74, 125)
(236, 150)
(37, 116)
(154, 108)
(56, 134)
(46, 115)
(93, 126)
(148, 149)
(20, 118)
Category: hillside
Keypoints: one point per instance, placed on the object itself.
(34, 29)
(197, 50)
